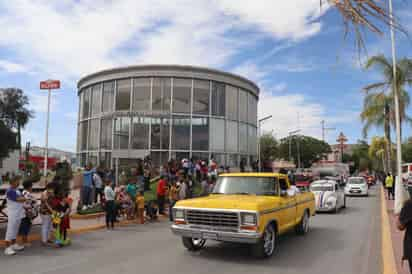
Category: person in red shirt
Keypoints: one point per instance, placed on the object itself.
(161, 193)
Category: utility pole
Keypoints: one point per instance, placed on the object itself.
(259, 135)
(324, 129)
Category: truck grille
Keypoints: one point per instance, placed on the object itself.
(213, 218)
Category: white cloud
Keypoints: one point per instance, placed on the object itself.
(38, 102)
(12, 67)
(72, 116)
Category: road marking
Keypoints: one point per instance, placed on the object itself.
(388, 257)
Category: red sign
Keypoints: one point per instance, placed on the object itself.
(50, 84)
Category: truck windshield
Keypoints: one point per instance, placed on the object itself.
(246, 185)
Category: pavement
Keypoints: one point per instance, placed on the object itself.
(397, 240)
(344, 243)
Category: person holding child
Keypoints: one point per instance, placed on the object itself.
(16, 213)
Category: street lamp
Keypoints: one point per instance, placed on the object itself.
(291, 133)
(259, 123)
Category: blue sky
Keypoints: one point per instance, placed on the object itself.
(293, 50)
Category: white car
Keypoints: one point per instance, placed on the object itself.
(329, 197)
(356, 186)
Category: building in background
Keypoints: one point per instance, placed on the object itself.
(10, 164)
(166, 112)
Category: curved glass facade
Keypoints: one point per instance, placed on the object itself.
(164, 118)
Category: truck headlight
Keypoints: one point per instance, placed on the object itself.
(247, 218)
(179, 214)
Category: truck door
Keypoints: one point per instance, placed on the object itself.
(288, 205)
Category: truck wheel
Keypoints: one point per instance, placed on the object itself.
(193, 244)
(267, 245)
(303, 227)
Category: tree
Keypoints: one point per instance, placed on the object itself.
(269, 150)
(310, 149)
(377, 151)
(407, 151)
(8, 140)
(378, 104)
(360, 156)
(13, 110)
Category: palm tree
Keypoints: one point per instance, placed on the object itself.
(13, 110)
(378, 104)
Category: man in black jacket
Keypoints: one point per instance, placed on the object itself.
(405, 222)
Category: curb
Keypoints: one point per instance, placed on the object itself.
(81, 230)
(77, 216)
(388, 257)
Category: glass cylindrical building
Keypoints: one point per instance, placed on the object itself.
(166, 112)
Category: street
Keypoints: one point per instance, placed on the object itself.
(346, 243)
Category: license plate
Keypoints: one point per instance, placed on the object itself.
(210, 236)
(355, 191)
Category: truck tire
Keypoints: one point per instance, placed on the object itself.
(268, 243)
(192, 244)
(303, 227)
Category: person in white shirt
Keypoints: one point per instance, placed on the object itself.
(98, 184)
(110, 207)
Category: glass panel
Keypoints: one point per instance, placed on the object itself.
(252, 109)
(178, 156)
(232, 136)
(218, 99)
(159, 158)
(243, 102)
(86, 103)
(243, 145)
(92, 159)
(83, 159)
(231, 102)
(123, 94)
(105, 159)
(217, 134)
(160, 133)
(94, 134)
(140, 133)
(201, 92)
(108, 95)
(181, 133)
(252, 140)
(84, 129)
(196, 156)
(121, 132)
(200, 133)
(96, 99)
(162, 88)
(106, 134)
(141, 94)
(181, 95)
(81, 99)
(220, 159)
(232, 160)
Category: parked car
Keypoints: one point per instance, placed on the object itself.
(250, 208)
(357, 186)
(329, 197)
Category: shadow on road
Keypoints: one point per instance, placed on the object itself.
(290, 250)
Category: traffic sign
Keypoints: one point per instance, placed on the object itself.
(50, 84)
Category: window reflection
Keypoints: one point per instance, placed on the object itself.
(140, 132)
(232, 136)
(141, 94)
(201, 92)
(108, 95)
(252, 140)
(123, 94)
(106, 134)
(243, 103)
(161, 94)
(217, 134)
(181, 95)
(86, 103)
(200, 133)
(243, 132)
(231, 102)
(160, 133)
(84, 129)
(96, 99)
(252, 109)
(181, 133)
(218, 99)
(121, 132)
(94, 135)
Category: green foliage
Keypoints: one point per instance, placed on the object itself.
(360, 156)
(311, 149)
(269, 149)
(407, 151)
(8, 140)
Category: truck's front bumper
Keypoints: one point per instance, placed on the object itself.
(224, 236)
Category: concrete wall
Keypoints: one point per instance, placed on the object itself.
(10, 164)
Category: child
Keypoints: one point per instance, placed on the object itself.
(65, 224)
(110, 206)
(125, 202)
(15, 211)
(31, 212)
(46, 212)
(140, 206)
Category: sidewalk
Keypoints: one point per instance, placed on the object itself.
(397, 239)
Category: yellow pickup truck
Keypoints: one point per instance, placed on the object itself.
(252, 208)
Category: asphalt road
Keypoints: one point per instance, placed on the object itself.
(346, 243)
